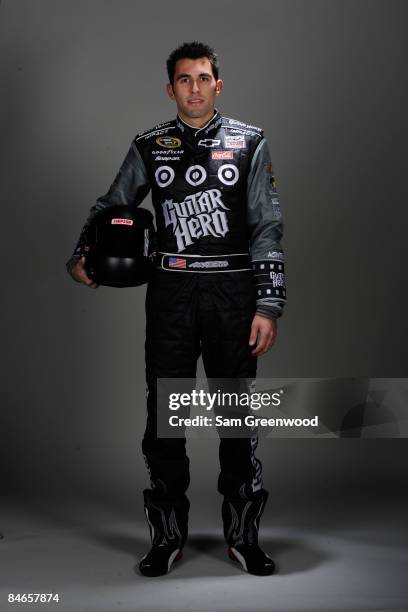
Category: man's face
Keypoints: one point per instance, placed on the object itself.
(194, 88)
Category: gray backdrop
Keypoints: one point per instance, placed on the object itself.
(327, 82)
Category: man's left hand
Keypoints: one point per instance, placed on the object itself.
(265, 330)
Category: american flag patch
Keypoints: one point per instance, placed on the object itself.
(177, 262)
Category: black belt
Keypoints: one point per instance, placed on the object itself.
(235, 262)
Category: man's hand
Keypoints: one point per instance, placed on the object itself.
(79, 274)
(265, 330)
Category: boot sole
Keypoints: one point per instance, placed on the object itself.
(234, 555)
(174, 557)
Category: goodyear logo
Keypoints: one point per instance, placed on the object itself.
(169, 142)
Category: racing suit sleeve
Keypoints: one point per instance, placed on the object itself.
(130, 187)
(265, 233)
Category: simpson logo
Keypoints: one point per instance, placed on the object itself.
(222, 154)
(169, 142)
(122, 222)
(235, 142)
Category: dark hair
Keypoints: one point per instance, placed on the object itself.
(192, 50)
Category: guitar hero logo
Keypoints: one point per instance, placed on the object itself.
(200, 214)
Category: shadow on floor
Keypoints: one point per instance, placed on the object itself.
(290, 555)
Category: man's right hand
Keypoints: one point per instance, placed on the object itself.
(79, 274)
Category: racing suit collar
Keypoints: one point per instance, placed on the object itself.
(206, 129)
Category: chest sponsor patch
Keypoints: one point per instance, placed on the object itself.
(168, 142)
(167, 159)
(209, 142)
(234, 142)
(222, 154)
(168, 152)
(122, 222)
(200, 214)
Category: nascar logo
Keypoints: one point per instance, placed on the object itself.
(169, 142)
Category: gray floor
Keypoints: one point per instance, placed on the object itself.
(330, 556)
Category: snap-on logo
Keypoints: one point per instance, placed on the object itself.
(122, 222)
(169, 142)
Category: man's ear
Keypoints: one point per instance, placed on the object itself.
(170, 91)
(219, 86)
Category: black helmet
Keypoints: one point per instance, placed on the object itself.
(121, 246)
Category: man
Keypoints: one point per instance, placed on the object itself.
(217, 290)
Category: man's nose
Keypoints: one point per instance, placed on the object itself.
(194, 87)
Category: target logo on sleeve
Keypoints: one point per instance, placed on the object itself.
(164, 175)
(228, 174)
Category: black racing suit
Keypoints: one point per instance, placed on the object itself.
(219, 228)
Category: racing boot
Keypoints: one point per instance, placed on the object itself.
(168, 532)
(241, 524)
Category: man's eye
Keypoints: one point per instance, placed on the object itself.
(204, 78)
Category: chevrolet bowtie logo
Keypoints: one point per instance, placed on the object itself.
(209, 142)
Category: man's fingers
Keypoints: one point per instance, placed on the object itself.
(265, 343)
(254, 333)
(79, 274)
(263, 340)
(266, 330)
(88, 281)
(84, 278)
